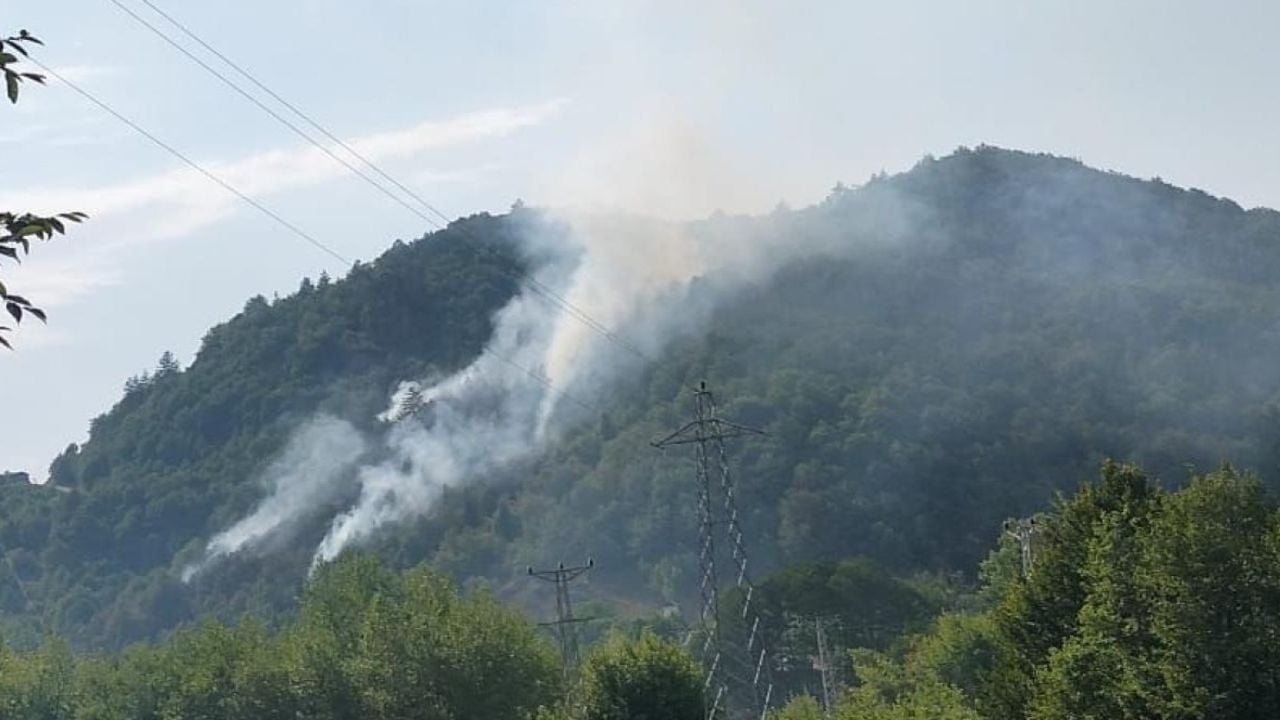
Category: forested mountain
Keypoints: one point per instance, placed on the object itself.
(1013, 321)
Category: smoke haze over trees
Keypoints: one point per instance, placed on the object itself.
(930, 353)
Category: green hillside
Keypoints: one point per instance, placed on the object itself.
(1017, 319)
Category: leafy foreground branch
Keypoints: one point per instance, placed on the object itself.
(16, 242)
(20, 228)
(14, 77)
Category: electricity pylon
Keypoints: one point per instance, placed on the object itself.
(565, 624)
(722, 659)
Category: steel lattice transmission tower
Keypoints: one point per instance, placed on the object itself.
(738, 671)
(565, 624)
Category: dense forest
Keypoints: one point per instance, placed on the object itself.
(1140, 603)
(1135, 602)
(978, 333)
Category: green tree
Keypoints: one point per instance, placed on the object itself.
(226, 673)
(1039, 612)
(962, 650)
(645, 679)
(129, 686)
(373, 644)
(800, 707)
(889, 690)
(1180, 608)
(1211, 580)
(37, 685)
(1101, 670)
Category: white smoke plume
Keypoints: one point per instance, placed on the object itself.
(635, 276)
(307, 473)
(631, 275)
(492, 412)
(467, 425)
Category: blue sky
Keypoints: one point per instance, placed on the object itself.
(474, 104)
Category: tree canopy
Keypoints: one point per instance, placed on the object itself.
(1141, 603)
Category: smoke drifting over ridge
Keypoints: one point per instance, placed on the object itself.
(632, 275)
(993, 306)
(307, 473)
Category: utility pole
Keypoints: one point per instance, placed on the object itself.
(565, 624)
(721, 659)
(1024, 530)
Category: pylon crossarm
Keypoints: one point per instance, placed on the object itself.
(736, 429)
(720, 430)
(680, 437)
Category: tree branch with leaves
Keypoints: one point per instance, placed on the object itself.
(13, 79)
(18, 229)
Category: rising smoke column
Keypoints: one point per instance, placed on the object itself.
(471, 423)
(647, 281)
(492, 412)
(307, 474)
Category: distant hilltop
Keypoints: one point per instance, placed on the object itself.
(14, 478)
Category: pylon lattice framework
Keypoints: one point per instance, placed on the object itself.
(707, 432)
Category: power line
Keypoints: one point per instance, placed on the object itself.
(275, 96)
(192, 163)
(538, 287)
(263, 106)
(540, 378)
(262, 208)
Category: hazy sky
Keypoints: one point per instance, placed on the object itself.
(477, 103)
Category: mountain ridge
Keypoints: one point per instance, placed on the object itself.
(906, 387)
